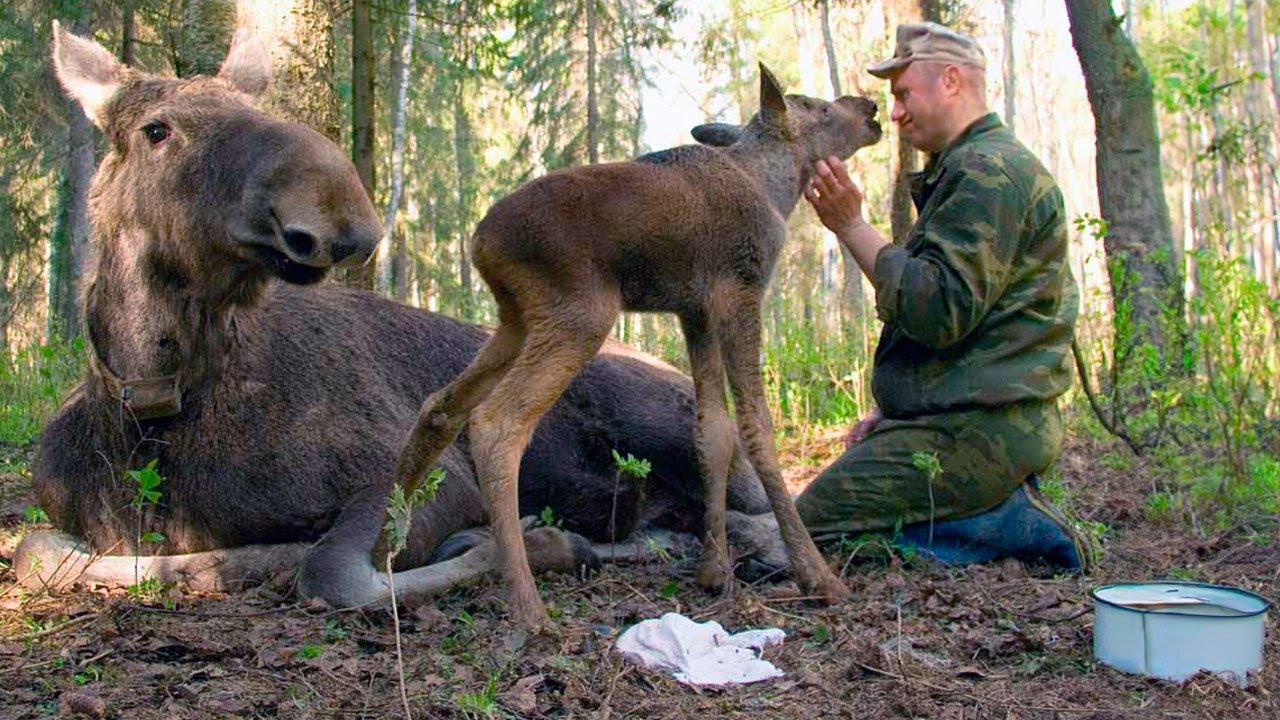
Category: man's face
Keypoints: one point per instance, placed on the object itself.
(920, 106)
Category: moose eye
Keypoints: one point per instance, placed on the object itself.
(156, 132)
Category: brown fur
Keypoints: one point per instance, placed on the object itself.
(295, 400)
(695, 231)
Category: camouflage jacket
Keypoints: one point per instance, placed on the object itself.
(979, 304)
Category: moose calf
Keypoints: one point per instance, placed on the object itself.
(694, 231)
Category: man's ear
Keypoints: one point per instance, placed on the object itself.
(88, 73)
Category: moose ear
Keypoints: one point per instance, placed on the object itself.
(248, 65)
(717, 134)
(88, 73)
(773, 107)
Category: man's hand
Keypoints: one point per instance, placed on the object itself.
(862, 429)
(835, 197)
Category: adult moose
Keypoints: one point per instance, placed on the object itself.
(274, 411)
(694, 231)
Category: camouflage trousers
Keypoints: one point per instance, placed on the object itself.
(985, 455)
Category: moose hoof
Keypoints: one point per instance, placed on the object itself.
(829, 588)
(552, 549)
(713, 575)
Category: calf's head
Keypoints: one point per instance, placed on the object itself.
(204, 188)
(814, 129)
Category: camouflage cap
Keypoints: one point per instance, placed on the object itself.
(929, 42)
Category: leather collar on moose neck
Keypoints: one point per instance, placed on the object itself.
(148, 398)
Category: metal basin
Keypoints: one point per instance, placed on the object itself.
(1173, 630)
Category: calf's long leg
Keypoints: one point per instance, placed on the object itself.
(713, 441)
(446, 410)
(560, 340)
(739, 335)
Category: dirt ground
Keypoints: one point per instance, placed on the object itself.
(916, 640)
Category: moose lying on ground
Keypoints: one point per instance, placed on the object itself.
(275, 412)
(694, 231)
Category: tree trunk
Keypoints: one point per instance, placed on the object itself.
(901, 210)
(201, 42)
(362, 118)
(851, 291)
(832, 66)
(128, 33)
(299, 37)
(1130, 190)
(70, 245)
(465, 164)
(1010, 78)
(400, 70)
(1259, 107)
(593, 109)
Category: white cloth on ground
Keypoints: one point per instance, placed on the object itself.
(701, 654)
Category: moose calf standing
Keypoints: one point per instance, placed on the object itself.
(695, 231)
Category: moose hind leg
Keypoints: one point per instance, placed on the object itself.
(739, 335)
(713, 440)
(446, 410)
(556, 348)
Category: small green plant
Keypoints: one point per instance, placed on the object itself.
(821, 634)
(399, 518)
(146, 482)
(310, 652)
(400, 510)
(34, 514)
(928, 464)
(146, 486)
(656, 548)
(89, 674)
(547, 518)
(629, 466)
(333, 631)
(151, 591)
(483, 704)
(670, 590)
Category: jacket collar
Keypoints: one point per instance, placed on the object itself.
(922, 183)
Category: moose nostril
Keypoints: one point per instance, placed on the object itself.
(300, 242)
(343, 247)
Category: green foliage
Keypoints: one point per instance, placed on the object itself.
(34, 514)
(481, 704)
(146, 486)
(547, 518)
(310, 652)
(151, 591)
(33, 381)
(631, 466)
(400, 509)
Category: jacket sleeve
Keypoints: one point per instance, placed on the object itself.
(939, 287)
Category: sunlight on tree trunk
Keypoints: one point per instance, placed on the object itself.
(1130, 189)
(386, 252)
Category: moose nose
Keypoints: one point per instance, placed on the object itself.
(352, 243)
(865, 105)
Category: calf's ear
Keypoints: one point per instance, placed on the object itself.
(248, 64)
(88, 73)
(773, 106)
(717, 134)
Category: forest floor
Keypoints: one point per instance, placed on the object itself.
(915, 641)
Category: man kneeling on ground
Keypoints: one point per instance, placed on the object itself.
(979, 307)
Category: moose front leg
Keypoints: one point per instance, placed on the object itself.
(56, 561)
(713, 441)
(740, 342)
